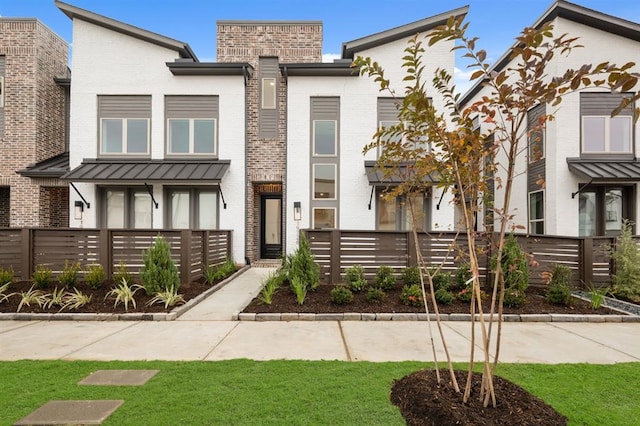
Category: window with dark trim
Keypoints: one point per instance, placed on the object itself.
(192, 208)
(126, 208)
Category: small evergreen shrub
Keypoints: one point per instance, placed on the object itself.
(559, 292)
(515, 269)
(122, 274)
(95, 276)
(341, 295)
(626, 257)
(69, 275)
(465, 294)
(6, 275)
(444, 296)
(441, 280)
(412, 296)
(354, 277)
(159, 273)
(302, 265)
(384, 279)
(42, 277)
(411, 275)
(375, 295)
(463, 274)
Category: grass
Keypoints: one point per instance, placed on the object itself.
(243, 392)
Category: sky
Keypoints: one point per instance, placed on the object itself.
(495, 22)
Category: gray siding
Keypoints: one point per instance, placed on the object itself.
(387, 109)
(268, 118)
(191, 107)
(124, 106)
(537, 169)
(601, 103)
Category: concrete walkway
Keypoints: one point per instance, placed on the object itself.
(206, 332)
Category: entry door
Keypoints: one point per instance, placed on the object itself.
(271, 227)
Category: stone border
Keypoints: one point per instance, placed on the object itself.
(352, 316)
(157, 316)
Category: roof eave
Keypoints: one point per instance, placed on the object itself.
(323, 69)
(208, 68)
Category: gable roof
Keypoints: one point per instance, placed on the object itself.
(74, 12)
(349, 48)
(572, 12)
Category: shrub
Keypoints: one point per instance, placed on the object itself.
(55, 298)
(354, 277)
(69, 275)
(225, 269)
(384, 279)
(4, 296)
(301, 265)
(75, 299)
(596, 296)
(209, 273)
(122, 273)
(6, 275)
(95, 276)
(465, 294)
(626, 257)
(271, 286)
(412, 295)
(515, 269)
(159, 273)
(463, 274)
(444, 296)
(558, 292)
(36, 297)
(42, 277)
(299, 289)
(123, 293)
(375, 295)
(441, 280)
(341, 295)
(169, 297)
(411, 275)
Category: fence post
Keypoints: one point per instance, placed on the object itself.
(412, 254)
(334, 257)
(27, 253)
(586, 260)
(105, 252)
(230, 244)
(185, 255)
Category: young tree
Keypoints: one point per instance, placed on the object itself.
(463, 157)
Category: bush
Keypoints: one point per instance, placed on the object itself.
(69, 275)
(515, 269)
(465, 294)
(411, 275)
(42, 277)
(626, 257)
(271, 286)
(412, 295)
(6, 275)
(122, 274)
(354, 277)
(299, 289)
(558, 292)
(302, 266)
(159, 273)
(441, 280)
(375, 295)
(444, 296)
(341, 295)
(463, 274)
(95, 276)
(384, 279)
(226, 269)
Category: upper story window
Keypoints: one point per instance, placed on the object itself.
(535, 133)
(601, 133)
(192, 125)
(268, 93)
(325, 137)
(124, 124)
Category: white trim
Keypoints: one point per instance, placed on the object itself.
(607, 134)
(124, 137)
(313, 216)
(544, 215)
(272, 104)
(335, 139)
(335, 183)
(192, 137)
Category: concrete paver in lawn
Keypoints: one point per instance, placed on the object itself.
(319, 340)
(71, 413)
(164, 340)
(118, 377)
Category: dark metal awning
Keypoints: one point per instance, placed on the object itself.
(605, 170)
(377, 176)
(53, 167)
(173, 171)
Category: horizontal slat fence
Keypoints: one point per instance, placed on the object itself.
(192, 251)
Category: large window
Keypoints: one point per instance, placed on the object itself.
(191, 136)
(602, 209)
(193, 208)
(126, 208)
(604, 134)
(536, 212)
(124, 136)
(399, 213)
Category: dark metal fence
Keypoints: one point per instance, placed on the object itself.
(24, 249)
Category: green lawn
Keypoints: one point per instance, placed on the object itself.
(243, 392)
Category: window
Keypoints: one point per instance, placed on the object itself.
(193, 208)
(536, 145)
(1, 91)
(536, 212)
(395, 214)
(268, 93)
(421, 146)
(191, 136)
(602, 209)
(324, 181)
(126, 208)
(124, 136)
(324, 137)
(324, 218)
(604, 134)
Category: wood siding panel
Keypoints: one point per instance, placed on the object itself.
(192, 107)
(124, 106)
(601, 103)
(11, 252)
(387, 109)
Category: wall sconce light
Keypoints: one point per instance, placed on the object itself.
(297, 211)
(78, 209)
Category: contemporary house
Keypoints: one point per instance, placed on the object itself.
(265, 141)
(587, 159)
(33, 148)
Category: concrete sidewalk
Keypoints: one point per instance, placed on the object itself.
(206, 332)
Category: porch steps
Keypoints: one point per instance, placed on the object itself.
(266, 263)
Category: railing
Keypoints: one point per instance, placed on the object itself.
(24, 249)
(337, 250)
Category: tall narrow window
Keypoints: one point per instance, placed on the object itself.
(268, 93)
(536, 212)
(324, 181)
(324, 137)
(115, 209)
(194, 208)
(180, 210)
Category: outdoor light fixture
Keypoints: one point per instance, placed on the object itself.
(78, 209)
(297, 211)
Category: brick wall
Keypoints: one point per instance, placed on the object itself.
(290, 42)
(54, 207)
(34, 108)
(5, 204)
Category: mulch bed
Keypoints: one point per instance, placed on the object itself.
(319, 301)
(425, 402)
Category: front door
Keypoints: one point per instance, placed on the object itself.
(271, 226)
(603, 208)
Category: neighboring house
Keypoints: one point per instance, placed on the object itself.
(265, 141)
(33, 99)
(586, 159)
